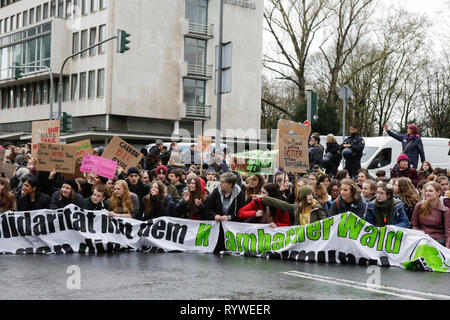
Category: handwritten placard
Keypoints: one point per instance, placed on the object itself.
(294, 153)
(60, 157)
(204, 143)
(124, 154)
(103, 167)
(83, 147)
(44, 132)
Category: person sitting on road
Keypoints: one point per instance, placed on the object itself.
(255, 185)
(403, 169)
(385, 209)
(224, 202)
(135, 185)
(431, 216)
(256, 212)
(161, 174)
(176, 179)
(97, 201)
(68, 194)
(157, 203)
(32, 198)
(348, 200)
(123, 203)
(192, 205)
(368, 190)
(409, 195)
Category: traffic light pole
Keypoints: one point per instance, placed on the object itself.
(51, 82)
(60, 84)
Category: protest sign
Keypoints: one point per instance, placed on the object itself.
(211, 185)
(254, 162)
(7, 170)
(124, 154)
(44, 132)
(103, 167)
(84, 146)
(204, 144)
(56, 156)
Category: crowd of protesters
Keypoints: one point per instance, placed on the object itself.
(168, 183)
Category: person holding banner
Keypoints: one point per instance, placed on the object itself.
(386, 209)
(256, 212)
(123, 203)
(431, 216)
(68, 194)
(192, 205)
(157, 203)
(7, 199)
(348, 200)
(32, 198)
(135, 185)
(255, 185)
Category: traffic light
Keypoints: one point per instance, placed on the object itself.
(17, 71)
(66, 122)
(122, 41)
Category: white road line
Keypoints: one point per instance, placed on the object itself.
(311, 277)
(432, 295)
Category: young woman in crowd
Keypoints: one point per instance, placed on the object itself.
(368, 190)
(322, 197)
(100, 192)
(191, 205)
(255, 184)
(305, 212)
(123, 203)
(7, 199)
(312, 179)
(256, 212)
(157, 203)
(406, 191)
(348, 200)
(362, 176)
(342, 174)
(333, 189)
(425, 170)
(324, 180)
(282, 182)
(292, 196)
(332, 155)
(431, 216)
(386, 209)
(68, 194)
(32, 198)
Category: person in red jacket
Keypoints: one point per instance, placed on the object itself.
(256, 212)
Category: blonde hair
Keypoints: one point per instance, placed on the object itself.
(425, 209)
(125, 201)
(331, 137)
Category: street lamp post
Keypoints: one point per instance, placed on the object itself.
(219, 81)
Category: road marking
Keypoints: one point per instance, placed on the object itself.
(365, 286)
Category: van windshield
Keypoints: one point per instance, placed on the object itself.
(368, 153)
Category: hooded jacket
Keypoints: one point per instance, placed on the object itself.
(214, 203)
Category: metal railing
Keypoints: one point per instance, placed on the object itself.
(200, 70)
(201, 29)
(199, 111)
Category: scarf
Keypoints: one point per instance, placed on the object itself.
(384, 212)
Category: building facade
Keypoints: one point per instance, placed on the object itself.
(165, 82)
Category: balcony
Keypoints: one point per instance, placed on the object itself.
(204, 31)
(198, 112)
(202, 71)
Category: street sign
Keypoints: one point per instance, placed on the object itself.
(345, 93)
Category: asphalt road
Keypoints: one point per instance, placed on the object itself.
(191, 276)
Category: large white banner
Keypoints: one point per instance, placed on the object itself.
(71, 230)
(344, 239)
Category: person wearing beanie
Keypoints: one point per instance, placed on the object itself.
(68, 194)
(161, 174)
(412, 145)
(135, 184)
(306, 211)
(404, 169)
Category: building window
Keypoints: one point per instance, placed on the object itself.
(84, 7)
(53, 8)
(6, 24)
(197, 11)
(101, 83)
(31, 21)
(38, 13)
(68, 9)
(194, 92)
(103, 4)
(19, 21)
(66, 88)
(102, 37)
(92, 39)
(25, 18)
(84, 42)
(73, 94)
(44, 92)
(37, 93)
(45, 12)
(61, 8)
(82, 85)
(75, 43)
(94, 5)
(91, 89)
(76, 8)
(29, 95)
(13, 22)
(195, 51)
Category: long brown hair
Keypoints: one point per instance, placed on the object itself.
(321, 194)
(73, 195)
(124, 201)
(425, 209)
(148, 198)
(257, 189)
(191, 207)
(7, 199)
(407, 192)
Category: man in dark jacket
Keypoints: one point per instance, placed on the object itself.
(315, 152)
(135, 184)
(352, 151)
(154, 156)
(223, 203)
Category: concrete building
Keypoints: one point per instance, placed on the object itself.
(165, 82)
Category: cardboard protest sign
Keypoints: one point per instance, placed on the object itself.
(103, 167)
(204, 144)
(83, 147)
(44, 132)
(7, 170)
(292, 143)
(124, 154)
(211, 185)
(56, 156)
(254, 162)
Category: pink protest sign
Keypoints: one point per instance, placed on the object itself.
(104, 167)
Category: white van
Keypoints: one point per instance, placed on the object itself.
(381, 153)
